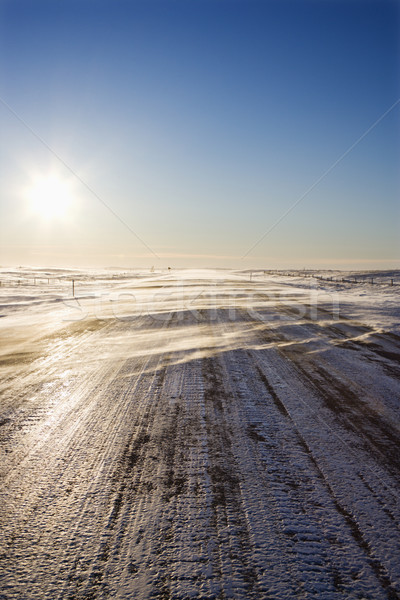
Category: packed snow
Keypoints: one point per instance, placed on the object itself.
(199, 434)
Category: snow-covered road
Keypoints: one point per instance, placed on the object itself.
(198, 435)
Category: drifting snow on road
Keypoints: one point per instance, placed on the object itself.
(199, 435)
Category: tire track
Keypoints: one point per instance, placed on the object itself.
(366, 542)
(88, 503)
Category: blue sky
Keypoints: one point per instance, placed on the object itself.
(199, 123)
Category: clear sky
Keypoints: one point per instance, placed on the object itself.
(199, 123)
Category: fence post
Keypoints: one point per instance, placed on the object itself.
(73, 287)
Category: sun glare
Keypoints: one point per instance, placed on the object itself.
(50, 197)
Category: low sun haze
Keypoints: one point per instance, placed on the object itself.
(201, 133)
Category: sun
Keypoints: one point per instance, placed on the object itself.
(50, 197)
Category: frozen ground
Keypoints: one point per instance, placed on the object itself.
(199, 434)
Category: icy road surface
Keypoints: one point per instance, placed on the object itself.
(198, 435)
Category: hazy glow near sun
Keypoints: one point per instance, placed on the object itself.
(50, 197)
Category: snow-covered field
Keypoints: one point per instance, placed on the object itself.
(199, 434)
